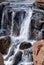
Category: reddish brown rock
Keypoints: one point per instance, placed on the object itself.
(38, 52)
(1, 60)
(4, 45)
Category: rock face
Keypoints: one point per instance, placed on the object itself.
(7, 20)
(37, 25)
(38, 52)
(39, 0)
(4, 45)
(1, 60)
(40, 57)
(17, 58)
(18, 18)
(39, 4)
(25, 45)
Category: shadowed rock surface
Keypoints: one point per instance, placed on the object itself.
(4, 45)
(17, 58)
(1, 60)
(25, 45)
(37, 25)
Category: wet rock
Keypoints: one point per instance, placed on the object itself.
(1, 60)
(25, 45)
(37, 24)
(17, 58)
(7, 23)
(4, 45)
(19, 16)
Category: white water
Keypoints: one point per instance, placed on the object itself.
(13, 14)
(24, 33)
(26, 26)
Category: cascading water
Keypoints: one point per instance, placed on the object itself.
(24, 32)
(16, 41)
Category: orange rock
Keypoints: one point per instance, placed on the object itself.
(40, 57)
(38, 52)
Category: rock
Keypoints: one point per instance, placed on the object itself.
(40, 57)
(17, 58)
(19, 16)
(40, 1)
(25, 45)
(39, 4)
(37, 25)
(38, 52)
(1, 1)
(4, 45)
(1, 60)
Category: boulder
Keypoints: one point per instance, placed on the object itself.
(17, 58)
(38, 52)
(25, 45)
(4, 44)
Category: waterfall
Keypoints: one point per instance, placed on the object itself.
(16, 41)
(2, 22)
(13, 15)
(24, 32)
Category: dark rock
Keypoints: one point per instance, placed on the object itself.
(4, 45)
(1, 1)
(17, 58)
(20, 15)
(37, 24)
(25, 45)
(1, 10)
(1, 60)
